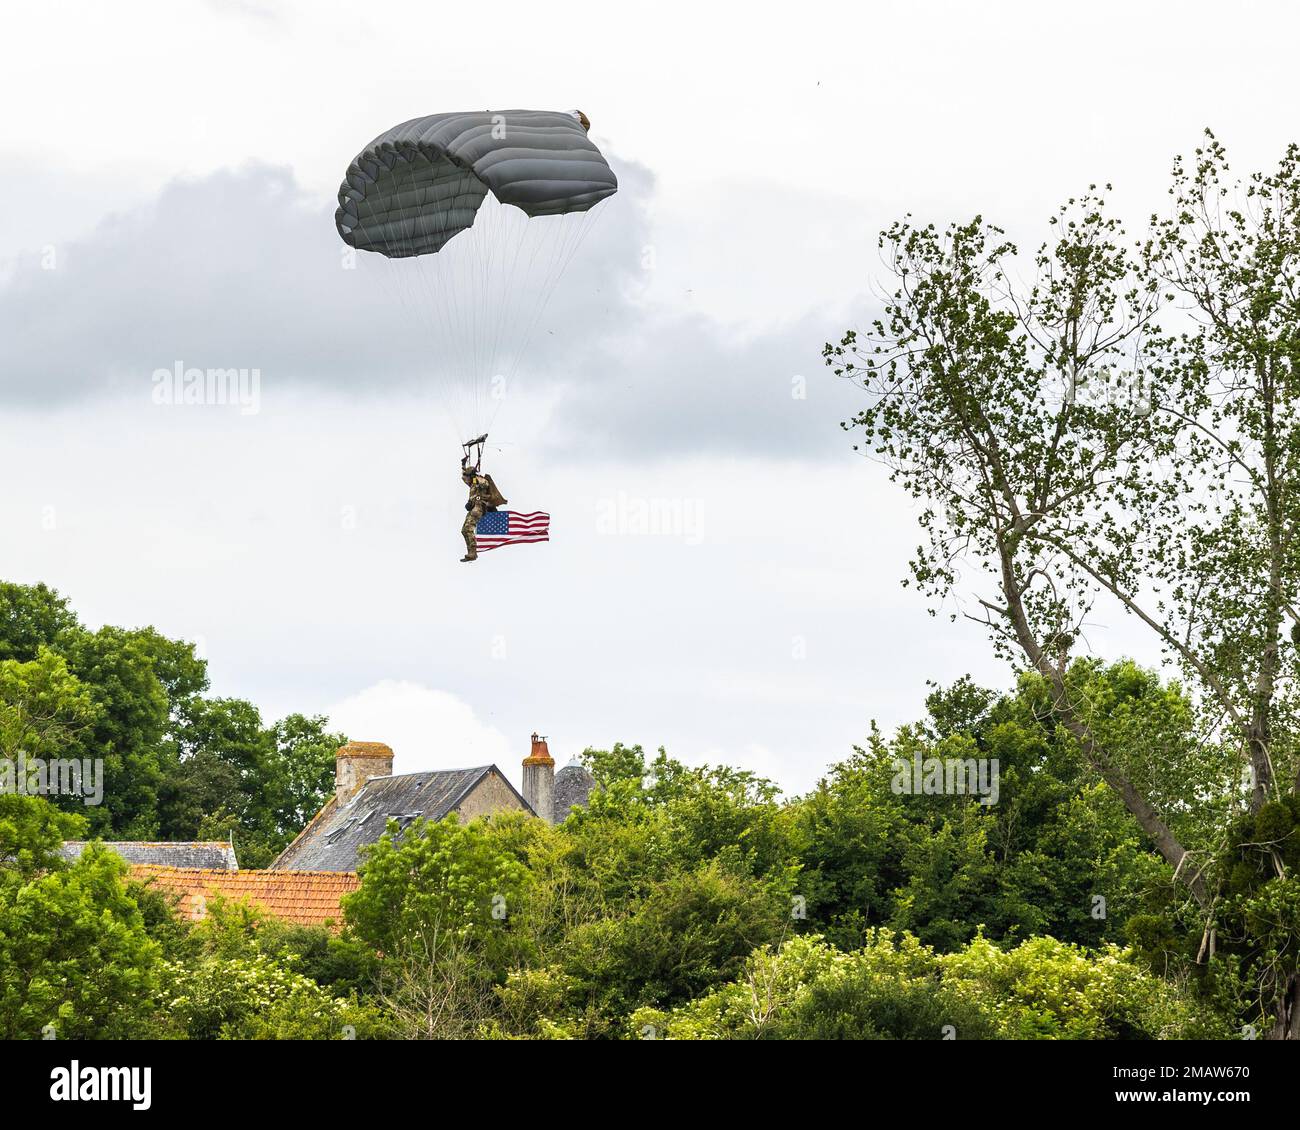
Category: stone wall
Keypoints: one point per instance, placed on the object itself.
(491, 794)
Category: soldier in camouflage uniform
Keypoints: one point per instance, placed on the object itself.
(483, 496)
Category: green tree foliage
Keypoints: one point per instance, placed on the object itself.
(31, 833)
(682, 900)
(32, 617)
(177, 765)
(890, 989)
(301, 758)
(1123, 431)
(130, 727)
(896, 988)
(340, 962)
(254, 997)
(74, 953)
(660, 887)
(435, 899)
(943, 866)
(240, 975)
(44, 709)
(231, 776)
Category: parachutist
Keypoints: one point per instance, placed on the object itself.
(483, 498)
(419, 186)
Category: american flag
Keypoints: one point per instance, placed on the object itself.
(508, 527)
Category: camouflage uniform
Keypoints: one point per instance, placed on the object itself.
(481, 496)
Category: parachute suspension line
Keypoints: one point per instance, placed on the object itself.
(500, 299)
(555, 229)
(461, 260)
(442, 366)
(445, 361)
(483, 249)
(456, 281)
(397, 282)
(503, 302)
(568, 233)
(564, 256)
(437, 305)
(550, 241)
(538, 234)
(516, 263)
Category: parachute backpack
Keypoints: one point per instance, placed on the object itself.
(494, 497)
(472, 219)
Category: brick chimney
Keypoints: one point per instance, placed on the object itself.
(355, 763)
(539, 780)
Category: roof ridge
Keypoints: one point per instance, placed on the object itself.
(331, 803)
(156, 843)
(243, 872)
(459, 769)
(479, 771)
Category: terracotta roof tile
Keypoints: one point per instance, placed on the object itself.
(307, 898)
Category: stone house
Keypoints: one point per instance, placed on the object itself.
(306, 881)
(367, 795)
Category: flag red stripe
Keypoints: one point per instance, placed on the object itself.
(524, 529)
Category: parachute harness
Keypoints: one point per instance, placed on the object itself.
(474, 447)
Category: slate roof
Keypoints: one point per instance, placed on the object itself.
(334, 838)
(212, 854)
(573, 785)
(307, 898)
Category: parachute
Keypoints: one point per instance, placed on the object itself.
(475, 216)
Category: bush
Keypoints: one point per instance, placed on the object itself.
(899, 989)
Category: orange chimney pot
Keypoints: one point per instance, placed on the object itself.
(539, 755)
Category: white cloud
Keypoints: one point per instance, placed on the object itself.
(189, 204)
(773, 617)
(426, 728)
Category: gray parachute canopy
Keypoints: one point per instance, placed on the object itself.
(419, 184)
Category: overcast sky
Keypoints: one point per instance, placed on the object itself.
(171, 171)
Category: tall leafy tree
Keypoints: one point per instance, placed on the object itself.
(301, 756)
(130, 728)
(75, 958)
(435, 900)
(946, 866)
(31, 616)
(1069, 448)
(44, 709)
